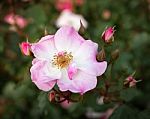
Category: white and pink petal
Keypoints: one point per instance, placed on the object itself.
(64, 83)
(67, 39)
(45, 86)
(94, 68)
(45, 48)
(86, 52)
(83, 82)
(42, 73)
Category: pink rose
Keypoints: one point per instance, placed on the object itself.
(66, 59)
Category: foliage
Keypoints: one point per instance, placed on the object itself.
(20, 98)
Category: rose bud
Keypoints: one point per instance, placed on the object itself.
(107, 35)
(115, 54)
(66, 104)
(130, 82)
(106, 14)
(14, 19)
(51, 96)
(101, 55)
(25, 48)
(107, 99)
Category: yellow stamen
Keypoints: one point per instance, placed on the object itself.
(62, 60)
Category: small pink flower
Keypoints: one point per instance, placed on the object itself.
(107, 35)
(66, 59)
(25, 48)
(16, 19)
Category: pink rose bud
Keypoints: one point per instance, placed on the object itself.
(66, 104)
(21, 22)
(51, 96)
(14, 19)
(130, 81)
(101, 56)
(25, 48)
(107, 35)
(115, 54)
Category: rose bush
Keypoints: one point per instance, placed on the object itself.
(118, 93)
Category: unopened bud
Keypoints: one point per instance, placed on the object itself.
(115, 54)
(106, 100)
(101, 55)
(25, 48)
(106, 14)
(51, 96)
(107, 35)
(57, 97)
(130, 82)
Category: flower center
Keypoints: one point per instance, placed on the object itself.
(62, 59)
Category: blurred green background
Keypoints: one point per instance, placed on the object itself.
(20, 98)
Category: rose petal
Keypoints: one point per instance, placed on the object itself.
(42, 73)
(83, 82)
(72, 70)
(85, 58)
(86, 51)
(45, 48)
(46, 86)
(80, 83)
(64, 83)
(67, 39)
(93, 68)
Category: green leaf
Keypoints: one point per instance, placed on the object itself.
(124, 112)
(1, 44)
(144, 114)
(129, 94)
(37, 14)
